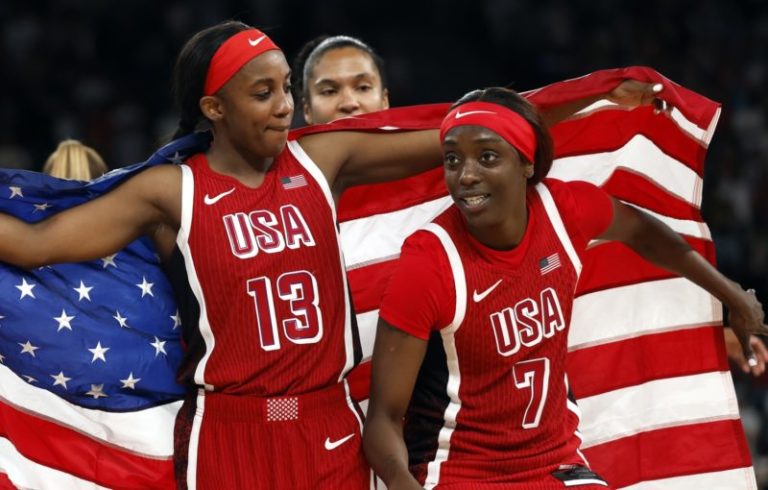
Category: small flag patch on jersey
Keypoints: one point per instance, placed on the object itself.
(294, 181)
(549, 263)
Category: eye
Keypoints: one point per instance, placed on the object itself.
(287, 87)
(262, 94)
(364, 88)
(451, 160)
(488, 156)
(327, 92)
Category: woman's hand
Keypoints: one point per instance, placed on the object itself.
(746, 317)
(735, 354)
(632, 93)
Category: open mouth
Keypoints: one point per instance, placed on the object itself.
(474, 202)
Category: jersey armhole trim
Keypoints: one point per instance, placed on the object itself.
(557, 223)
(459, 279)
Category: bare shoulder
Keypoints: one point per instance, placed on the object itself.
(160, 187)
(328, 150)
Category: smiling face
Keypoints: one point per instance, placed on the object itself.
(487, 180)
(253, 110)
(343, 82)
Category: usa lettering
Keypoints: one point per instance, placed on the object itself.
(528, 322)
(262, 230)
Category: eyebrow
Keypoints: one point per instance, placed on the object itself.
(268, 79)
(356, 77)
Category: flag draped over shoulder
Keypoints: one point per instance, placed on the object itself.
(88, 354)
(87, 391)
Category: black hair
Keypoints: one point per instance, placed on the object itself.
(192, 68)
(314, 49)
(517, 103)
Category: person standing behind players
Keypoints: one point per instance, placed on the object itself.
(339, 76)
(253, 218)
(472, 336)
(76, 161)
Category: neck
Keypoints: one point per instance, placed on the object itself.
(227, 158)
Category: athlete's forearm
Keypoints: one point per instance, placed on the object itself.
(19, 243)
(386, 452)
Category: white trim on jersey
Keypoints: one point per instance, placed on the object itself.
(182, 240)
(451, 356)
(557, 223)
(314, 171)
(194, 440)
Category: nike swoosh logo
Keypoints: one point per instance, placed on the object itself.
(255, 42)
(479, 297)
(330, 446)
(460, 114)
(213, 200)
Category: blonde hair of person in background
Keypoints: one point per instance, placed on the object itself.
(76, 161)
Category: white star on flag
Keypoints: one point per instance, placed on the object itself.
(97, 391)
(1, 317)
(64, 320)
(130, 381)
(175, 317)
(121, 320)
(176, 158)
(41, 207)
(146, 287)
(84, 291)
(28, 348)
(98, 352)
(29, 379)
(60, 379)
(25, 288)
(15, 191)
(2, 358)
(108, 260)
(159, 346)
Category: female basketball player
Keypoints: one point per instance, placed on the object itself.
(472, 335)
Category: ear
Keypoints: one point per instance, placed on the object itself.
(385, 99)
(307, 112)
(211, 107)
(528, 171)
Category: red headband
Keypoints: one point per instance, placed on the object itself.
(508, 124)
(233, 54)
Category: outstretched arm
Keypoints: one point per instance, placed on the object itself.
(139, 206)
(660, 245)
(350, 158)
(397, 357)
(629, 94)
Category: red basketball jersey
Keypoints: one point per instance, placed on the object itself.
(491, 401)
(265, 268)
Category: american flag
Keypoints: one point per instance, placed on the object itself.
(88, 355)
(549, 263)
(665, 417)
(294, 181)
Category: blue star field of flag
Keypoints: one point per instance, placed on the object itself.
(101, 334)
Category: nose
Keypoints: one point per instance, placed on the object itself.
(284, 106)
(348, 104)
(469, 174)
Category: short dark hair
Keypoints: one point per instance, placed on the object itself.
(192, 68)
(314, 49)
(516, 102)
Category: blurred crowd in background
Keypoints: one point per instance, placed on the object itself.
(100, 71)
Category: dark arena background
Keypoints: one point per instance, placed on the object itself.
(99, 71)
